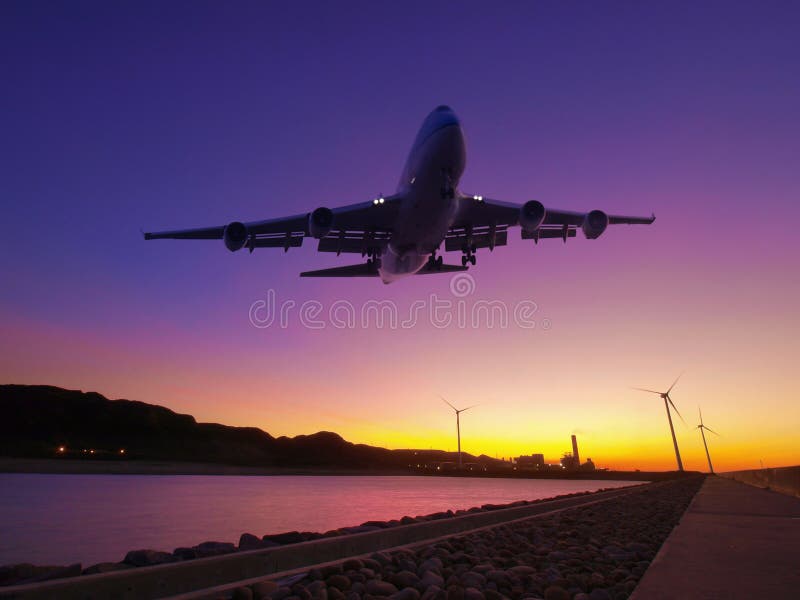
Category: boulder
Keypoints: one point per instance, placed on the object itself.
(106, 567)
(289, 537)
(213, 549)
(248, 541)
(145, 558)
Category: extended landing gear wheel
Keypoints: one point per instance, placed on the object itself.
(472, 260)
(439, 262)
(464, 261)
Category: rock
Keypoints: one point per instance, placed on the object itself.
(555, 592)
(600, 594)
(455, 592)
(144, 558)
(262, 589)
(434, 592)
(207, 549)
(329, 570)
(301, 592)
(338, 581)
(370, 563)
(352, 564)
(581, 596)
(280, 593)
(407, 593)
(491, 594)
(376, 587)
(430, 578)
(315, 587)
(381, 558)
(184, 553)
(248, 541)
(106, 567)
(48, 573)
(472, 593)
(242, 593)
(523, 571)
(377, 524)
(289, 537)
(335, 593)
(403, 579)
(361, 529)
(471, 579)
(432, 564)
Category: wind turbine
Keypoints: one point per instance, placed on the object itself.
(667, 402)
(458, 425)
(702, 427)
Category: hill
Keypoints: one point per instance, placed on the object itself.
(38, 420)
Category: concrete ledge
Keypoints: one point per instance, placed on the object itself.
(785, 480)
(187, 576)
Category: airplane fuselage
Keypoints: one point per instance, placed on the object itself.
(429, 187)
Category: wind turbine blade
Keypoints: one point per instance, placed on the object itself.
(674, 382)
(448, 404)
(676, 409)
(645, 390)
(473, 406)
(711, 430)
(701, 415)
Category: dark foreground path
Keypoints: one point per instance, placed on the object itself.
(735, 541)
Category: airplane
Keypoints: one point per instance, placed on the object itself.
(401, 234)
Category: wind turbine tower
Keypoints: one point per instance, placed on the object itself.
(703, 429)
(667, 402)
(458, 426)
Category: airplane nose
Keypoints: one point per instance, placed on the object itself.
(442, 108)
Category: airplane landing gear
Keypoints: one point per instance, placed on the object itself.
(468, 257)
(435, 262)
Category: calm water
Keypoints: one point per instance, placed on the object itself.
(58, 519)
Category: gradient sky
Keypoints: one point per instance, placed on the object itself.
(116, 116)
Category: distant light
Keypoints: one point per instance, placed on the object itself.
(61, 449)
(122, 451)
(375, 202)
(91, 451)
(381, 200)
(478, 198)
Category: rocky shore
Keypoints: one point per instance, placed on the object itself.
(537, 558)
(596, 552)
(16, 574)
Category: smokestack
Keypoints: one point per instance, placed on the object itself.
(575, 451)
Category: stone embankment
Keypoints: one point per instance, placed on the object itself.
(595, 552)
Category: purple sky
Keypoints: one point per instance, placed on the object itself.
(117, 116)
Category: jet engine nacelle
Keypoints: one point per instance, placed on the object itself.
(235, 236)
(531, 215)
(594, 224)
(320, 222)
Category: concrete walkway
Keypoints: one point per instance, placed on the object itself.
(734, 541)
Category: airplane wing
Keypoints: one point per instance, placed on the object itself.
(484, 222)
(356, 226)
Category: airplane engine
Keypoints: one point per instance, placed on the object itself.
(235, 236)
(594, 224)
(320, 222)
(531, 215)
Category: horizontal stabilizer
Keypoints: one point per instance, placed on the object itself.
(365, 270)
(360, 270)
(426, 270)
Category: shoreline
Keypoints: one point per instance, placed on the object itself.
(564, 554)
(56, 466)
